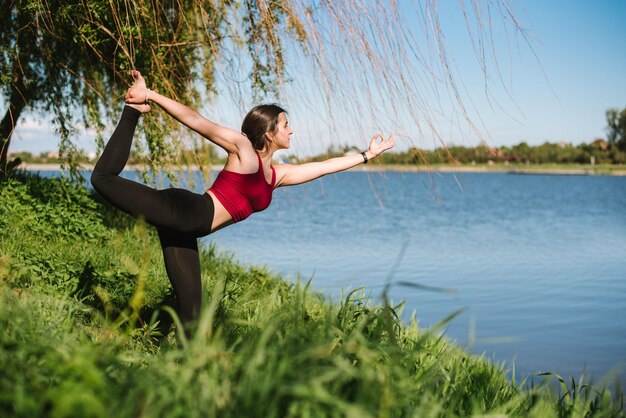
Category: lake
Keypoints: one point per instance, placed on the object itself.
(537, 262)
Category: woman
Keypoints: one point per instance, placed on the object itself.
(244, 186)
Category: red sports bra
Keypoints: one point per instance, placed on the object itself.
(243, 194)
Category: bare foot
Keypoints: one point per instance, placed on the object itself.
(138, 81)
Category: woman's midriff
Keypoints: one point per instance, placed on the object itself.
(221, 217)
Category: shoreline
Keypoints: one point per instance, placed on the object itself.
(522, 170)
(530, 170)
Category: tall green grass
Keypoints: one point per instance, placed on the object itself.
(88, 329)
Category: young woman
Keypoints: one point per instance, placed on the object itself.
(243, 187)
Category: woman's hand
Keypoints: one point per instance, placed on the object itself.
(138, 92)
(380, 144)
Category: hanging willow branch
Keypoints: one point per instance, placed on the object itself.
(383, 62)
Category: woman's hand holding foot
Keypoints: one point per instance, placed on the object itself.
(137, 94)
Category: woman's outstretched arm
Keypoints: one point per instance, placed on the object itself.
(292, 174)
(228, 139)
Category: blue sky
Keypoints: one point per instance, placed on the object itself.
(581, 46)
(562, 94)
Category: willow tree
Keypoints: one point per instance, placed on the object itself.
(71, 58)
(385, 63)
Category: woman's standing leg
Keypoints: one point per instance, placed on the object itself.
(182, 263)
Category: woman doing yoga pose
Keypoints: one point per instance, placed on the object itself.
(243, 187)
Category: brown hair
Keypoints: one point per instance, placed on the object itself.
(260, 120)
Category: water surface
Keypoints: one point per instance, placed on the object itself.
(538, 262)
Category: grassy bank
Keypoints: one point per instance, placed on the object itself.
(87, 331)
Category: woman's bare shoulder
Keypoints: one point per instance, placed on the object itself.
(244, 160)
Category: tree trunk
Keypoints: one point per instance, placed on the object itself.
(17, 103)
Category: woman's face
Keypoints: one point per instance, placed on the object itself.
(281, 136)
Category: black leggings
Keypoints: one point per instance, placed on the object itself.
(179, 215)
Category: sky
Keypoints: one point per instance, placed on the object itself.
(581, 46)
(557, 91)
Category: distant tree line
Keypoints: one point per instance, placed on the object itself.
(600, 151)
(597, 152)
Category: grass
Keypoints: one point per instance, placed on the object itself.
(88, 330)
